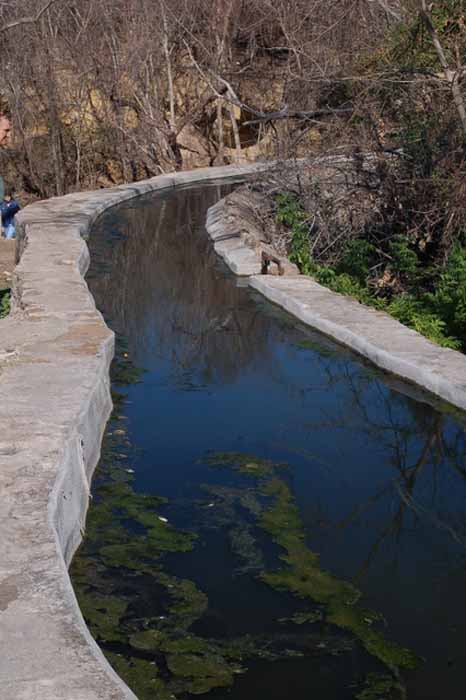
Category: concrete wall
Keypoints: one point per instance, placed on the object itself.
(55, 352)
(371, 333)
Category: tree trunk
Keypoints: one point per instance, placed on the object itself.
(220, 135)
(451, 76)
(166, 51)
(234, 126)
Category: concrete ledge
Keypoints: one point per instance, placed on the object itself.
(231, 224)
(373, 334)
(240, 258)
(55, 352)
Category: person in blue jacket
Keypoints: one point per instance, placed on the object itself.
(8, 208)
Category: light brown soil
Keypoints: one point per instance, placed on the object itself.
(7, 262)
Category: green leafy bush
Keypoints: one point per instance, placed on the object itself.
(439, 316)
(342, 283)
(449, 299)
(357, 259)
(415, 313)
(4, 302)
(292, 215)
(404, 258)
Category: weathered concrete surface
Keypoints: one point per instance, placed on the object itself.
(55, 352)
(373, 334)
(237, 238)
(7, 260)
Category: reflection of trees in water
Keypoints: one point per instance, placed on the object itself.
(425, 448)
(157, 279)
(161, 287)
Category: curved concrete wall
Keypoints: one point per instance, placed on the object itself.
(371, 333)
(55, 352)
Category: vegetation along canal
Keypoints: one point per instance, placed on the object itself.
(271, 517)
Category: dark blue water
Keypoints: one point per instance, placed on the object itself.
(378, 473)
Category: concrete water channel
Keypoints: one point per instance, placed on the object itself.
(272, 517)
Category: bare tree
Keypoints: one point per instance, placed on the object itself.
(30, 19)
(452, 76)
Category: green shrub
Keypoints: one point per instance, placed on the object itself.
(4, 302)
(449, 299)
(439, 316)
(357, 259)
(342, 283)
(292, 215)
(414, 313)
(404, 258)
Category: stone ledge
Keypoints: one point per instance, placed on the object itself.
(373, 334)
(55, 352)
(238, 240)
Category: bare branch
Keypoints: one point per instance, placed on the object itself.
(390, 11)
(27, 20)
(227, 92)
(451, 76)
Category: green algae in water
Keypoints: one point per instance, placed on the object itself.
(141, 675)
(104, 614)
(302, 618)
(148, 640)
(305, 579)
(127, 540)
(186, 645)
(202, 672)
(114, 543)
(243, 463)
(379, 686)
(123, 370)
(243, 544)
(179, 662)
(229, 498)
(187, 603)
(107, 616)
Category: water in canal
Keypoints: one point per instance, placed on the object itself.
(272, 518)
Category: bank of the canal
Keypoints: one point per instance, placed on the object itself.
(271, 516)
(55, 351)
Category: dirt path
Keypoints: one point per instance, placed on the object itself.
(7, 261)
